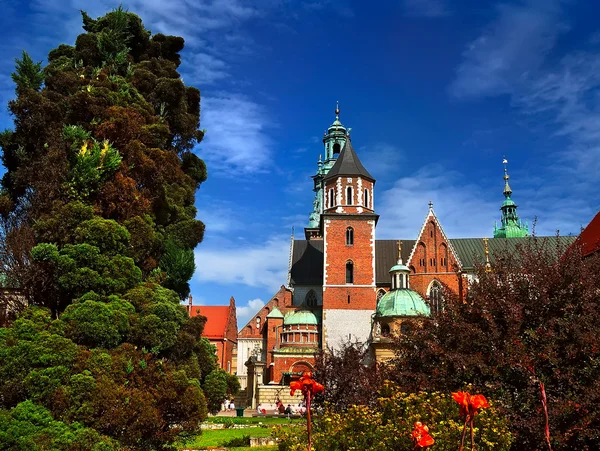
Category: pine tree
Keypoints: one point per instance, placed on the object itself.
(28, 74)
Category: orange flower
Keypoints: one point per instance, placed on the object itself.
(306, 384)
(420, 435)
(469, 405)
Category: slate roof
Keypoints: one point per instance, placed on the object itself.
(216, 320)
(471, 250)
(307, 258)
(307, 262)
(348, 164)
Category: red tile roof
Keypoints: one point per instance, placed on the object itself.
(589, 239)
(216, 320)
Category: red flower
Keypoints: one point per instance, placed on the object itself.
(306, 384)
(469, 405)
(420, 435)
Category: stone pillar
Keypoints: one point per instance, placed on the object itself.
(256, 371)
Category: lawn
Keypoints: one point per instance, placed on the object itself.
(254, 420)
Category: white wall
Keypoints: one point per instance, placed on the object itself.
(245, 348)
(339, 326)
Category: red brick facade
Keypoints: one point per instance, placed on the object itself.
(221, 330)
(432, 258)
(344, 254)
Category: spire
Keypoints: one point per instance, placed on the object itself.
(512, 227)
(400, 252)
(348, 164)
(488, 265)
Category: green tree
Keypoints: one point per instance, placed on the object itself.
(99, 225)
(28, 75)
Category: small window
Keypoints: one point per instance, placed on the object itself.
(336, 148)
(330, 197)
(385, 330)
(311, 298)
(258, 322)
(349, 272)
(349, 195)
(367, 198)
(348, 299)
(349, 236)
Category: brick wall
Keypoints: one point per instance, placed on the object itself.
(357, 203)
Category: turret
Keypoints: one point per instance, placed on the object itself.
(511, 227)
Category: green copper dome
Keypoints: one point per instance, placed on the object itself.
(403, 302)
(300, 317)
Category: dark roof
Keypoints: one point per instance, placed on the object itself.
(589, 239)
(307, 259)
(348, 164)
(307, 262)
(471, 250)
(386, 256)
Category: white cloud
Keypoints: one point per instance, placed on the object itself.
(236, 141)
(509, 50)
(425, 8)
(262, 265)
(244, 313)
(206, 69)
(379, 158)
(461, 212)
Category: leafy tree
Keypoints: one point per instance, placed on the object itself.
(215, 388)
(98, 192)
(350, 376)
(28, 75)
(534, 319)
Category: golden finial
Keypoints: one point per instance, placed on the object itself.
(488, 266)
(337, 109)
(399, 252)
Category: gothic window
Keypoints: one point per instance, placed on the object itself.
(349, 195)
(349, 236)
(311, 298)
(349, 272)
(380, 294)
(330, 197)
(367, 198)
(436, 301)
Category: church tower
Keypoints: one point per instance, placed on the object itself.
(334, 140)
(512, 227)
(348, 229)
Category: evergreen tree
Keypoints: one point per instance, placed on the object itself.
(98, 227)
(28, 74)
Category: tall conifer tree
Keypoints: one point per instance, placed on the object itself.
(97, 205)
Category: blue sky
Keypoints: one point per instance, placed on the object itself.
(436, 92)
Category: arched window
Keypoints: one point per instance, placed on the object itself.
(436, 300)
(311, 298)
(367, 198)
(258, 322)
(331, 197)
(349, 272)
(380, 294)
(349, 200)
(349, 236)
(336, 148)
(385, 330)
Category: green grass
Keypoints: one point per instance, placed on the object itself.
(253, 420)
(217, 437)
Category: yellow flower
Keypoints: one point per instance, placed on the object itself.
(104, 147)
(89, 88)
(83, 150)
(82, 76)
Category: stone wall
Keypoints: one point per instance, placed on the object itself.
(340, 326)
(268, 395)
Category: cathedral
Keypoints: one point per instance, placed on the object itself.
(344, 284)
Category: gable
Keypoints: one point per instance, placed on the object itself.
(216, 320)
